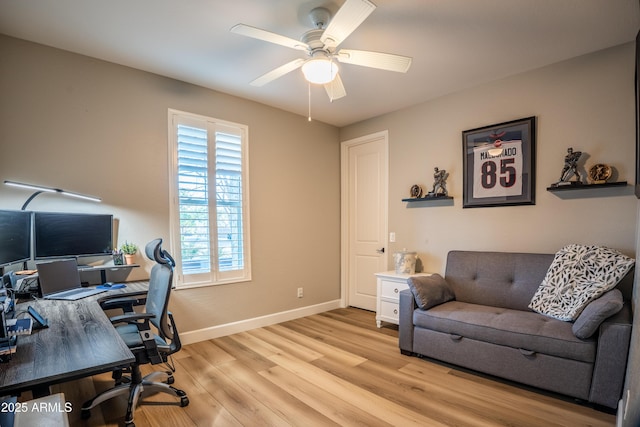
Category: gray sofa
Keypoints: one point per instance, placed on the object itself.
(488, 327)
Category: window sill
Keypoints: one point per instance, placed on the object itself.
(207, 284)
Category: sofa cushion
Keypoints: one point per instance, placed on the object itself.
(430, 291)
(597, 312)
(578, 275)
(524, 330)
(498, 279)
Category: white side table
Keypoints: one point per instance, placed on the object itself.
(390, 284)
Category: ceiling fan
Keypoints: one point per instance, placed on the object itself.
(320, 45)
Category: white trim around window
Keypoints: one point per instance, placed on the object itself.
(209, 194)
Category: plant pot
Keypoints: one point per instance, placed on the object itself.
(129, 258)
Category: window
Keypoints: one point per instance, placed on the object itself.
(209, 200)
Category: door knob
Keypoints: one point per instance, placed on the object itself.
(380, 251)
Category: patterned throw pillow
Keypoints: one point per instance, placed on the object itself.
(578, 275)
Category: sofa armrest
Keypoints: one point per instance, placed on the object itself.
(609, 369)
(405, 321)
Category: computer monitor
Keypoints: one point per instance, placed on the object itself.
(59, 235)
(15, 237)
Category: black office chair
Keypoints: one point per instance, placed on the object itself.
(149, 347)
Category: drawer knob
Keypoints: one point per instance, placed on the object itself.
(395, 311)
(395, 290)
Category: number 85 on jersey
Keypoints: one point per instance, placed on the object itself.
(498, 176)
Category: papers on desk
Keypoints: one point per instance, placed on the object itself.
(26, 272)
(19, 326)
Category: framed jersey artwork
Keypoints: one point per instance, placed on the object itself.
(499, 164)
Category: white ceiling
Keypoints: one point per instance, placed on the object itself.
(455, 44)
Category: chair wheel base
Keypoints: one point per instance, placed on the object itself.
(85, 414)
(184, 401)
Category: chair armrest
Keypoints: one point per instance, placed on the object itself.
(131, 317)
(405, 321)
(123, 301)
(135, 294)
(614, 337)
(148, 339)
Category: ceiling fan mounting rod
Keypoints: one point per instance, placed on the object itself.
(320, 17)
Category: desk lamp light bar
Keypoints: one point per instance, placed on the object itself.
(40, 189)
(30, 187)
(80, 196)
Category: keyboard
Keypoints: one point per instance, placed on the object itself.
(74, 294)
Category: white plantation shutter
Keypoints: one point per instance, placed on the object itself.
(193, 200)
(209, 200)
(229, 202)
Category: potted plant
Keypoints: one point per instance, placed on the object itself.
(129, 250)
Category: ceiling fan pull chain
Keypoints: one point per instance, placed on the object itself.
(309, 93)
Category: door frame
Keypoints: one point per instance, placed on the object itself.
(344, 207)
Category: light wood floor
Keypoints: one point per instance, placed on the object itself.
(331, 369)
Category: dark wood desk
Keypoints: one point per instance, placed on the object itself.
(79, 342)
(103, 269)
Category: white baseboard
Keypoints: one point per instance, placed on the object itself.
(217, 331)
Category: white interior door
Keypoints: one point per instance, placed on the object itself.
(364, 217)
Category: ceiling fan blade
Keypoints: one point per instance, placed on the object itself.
(268, 36)
(383, 61)
(347, 19)
(335, 88)
(278, 72)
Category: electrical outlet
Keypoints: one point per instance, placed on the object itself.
(300, 293)
(392, 237)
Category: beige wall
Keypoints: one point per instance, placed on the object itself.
(586, 103)
(98, 128)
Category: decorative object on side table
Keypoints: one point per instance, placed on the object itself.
(499, 164)
(405, 262)
(129, 250)
(570, 169)
(600, 173)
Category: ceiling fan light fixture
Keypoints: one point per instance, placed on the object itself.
(320, 71)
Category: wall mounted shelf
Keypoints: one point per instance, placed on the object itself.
(427, 199)
(586, 186)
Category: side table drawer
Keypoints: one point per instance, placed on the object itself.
(389, 311)
(391, 290)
